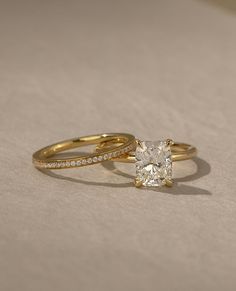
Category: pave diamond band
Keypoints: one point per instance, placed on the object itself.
(44, 158)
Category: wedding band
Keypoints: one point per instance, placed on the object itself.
(153, 160)
(45, 157)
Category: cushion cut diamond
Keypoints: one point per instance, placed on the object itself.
(153, 163)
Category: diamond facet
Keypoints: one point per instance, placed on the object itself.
(153, 163)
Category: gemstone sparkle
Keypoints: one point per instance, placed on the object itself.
(153, 163)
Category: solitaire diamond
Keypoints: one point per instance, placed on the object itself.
(153, 163)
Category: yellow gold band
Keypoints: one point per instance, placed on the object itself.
(44, 158)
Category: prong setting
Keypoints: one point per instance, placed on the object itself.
(169, 182)
(169, 142)
(139, 143)
(137, 183)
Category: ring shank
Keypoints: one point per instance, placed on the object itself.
(44, 157)
(182, 151)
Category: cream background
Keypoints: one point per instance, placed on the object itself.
(153, 68)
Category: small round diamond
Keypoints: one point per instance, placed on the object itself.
(105, 156)
(63, 164)
(72, 163)
(90, 160)
(84, 162)
(67, 164)
(109, 155)
(78, 163)
(95, 159)
(100, 158)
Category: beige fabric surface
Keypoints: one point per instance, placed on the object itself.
(156, 69)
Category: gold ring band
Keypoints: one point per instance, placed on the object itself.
(44, 158)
